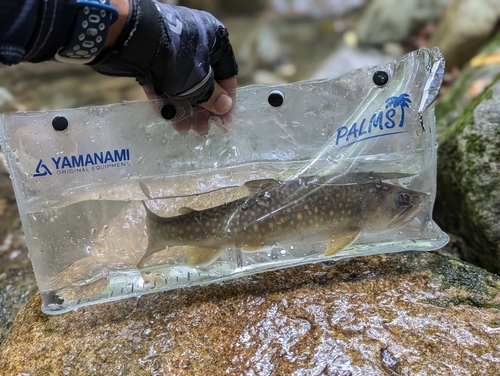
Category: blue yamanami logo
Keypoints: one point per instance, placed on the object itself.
(41, 166)
(84, 162)
(360, 133)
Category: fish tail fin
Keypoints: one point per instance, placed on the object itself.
(200, 256)
(155, 238)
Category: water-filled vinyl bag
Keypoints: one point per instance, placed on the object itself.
(116, 202)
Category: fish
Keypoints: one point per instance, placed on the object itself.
(297, 210)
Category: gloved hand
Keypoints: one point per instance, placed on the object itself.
(174, 51)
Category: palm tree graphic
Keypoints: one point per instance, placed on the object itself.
(402, 101)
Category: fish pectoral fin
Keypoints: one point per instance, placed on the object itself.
(200, 256)
(342, 241)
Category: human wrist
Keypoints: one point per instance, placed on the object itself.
(123, 8)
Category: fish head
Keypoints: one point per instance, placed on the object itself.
(388, 206)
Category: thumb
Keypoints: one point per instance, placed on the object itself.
(220, 102)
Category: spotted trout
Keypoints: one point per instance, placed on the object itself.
(288, 212)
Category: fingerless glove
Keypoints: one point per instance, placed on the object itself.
(176, 51)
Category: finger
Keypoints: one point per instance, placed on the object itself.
(198, 121)
(220, 102)
(150, 93)
(229, 85)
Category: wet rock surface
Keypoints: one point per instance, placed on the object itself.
(468, 200)
(397, 314)
(17, 281)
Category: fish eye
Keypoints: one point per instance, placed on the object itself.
(404, 200)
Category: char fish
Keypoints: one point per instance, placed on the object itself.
(283, 213)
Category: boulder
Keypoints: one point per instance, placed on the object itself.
(396, 314)
(393, 20)
(464, 28)
(468, 198)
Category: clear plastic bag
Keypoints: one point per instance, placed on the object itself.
(116, 203)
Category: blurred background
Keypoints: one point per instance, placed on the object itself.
(279, 41)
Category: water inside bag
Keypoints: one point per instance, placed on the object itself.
(120, 204)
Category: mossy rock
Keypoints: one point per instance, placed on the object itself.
(474, 78)
(468, 199)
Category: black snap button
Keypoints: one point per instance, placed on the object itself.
(168, 112)
(58, 300)
(276, 98)
(60, 123)
(380, 78)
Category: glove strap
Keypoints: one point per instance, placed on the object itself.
(94, 17)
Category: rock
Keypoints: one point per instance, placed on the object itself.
(346, 59)
(17, 281)
(36, 87)
(289, 49)
(468, 198)
(393, 20)
(218, 7)
(465, 27)
(17, 285)
(315, 8)
(473, 79)
(310, 8)
(408, 313)
(6, 101)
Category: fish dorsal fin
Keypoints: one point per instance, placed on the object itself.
(201, 256)
(256, 185)
(344, 240)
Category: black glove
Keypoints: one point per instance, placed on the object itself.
(176, 51)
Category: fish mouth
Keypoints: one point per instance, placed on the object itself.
(408, 214)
